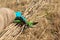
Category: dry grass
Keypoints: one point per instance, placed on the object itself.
(46, 12)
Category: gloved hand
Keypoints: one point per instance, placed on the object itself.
(20, 19)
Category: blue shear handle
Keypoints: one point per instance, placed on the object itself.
(24, 19)
(19, 14)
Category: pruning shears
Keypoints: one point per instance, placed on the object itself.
(21, 19)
